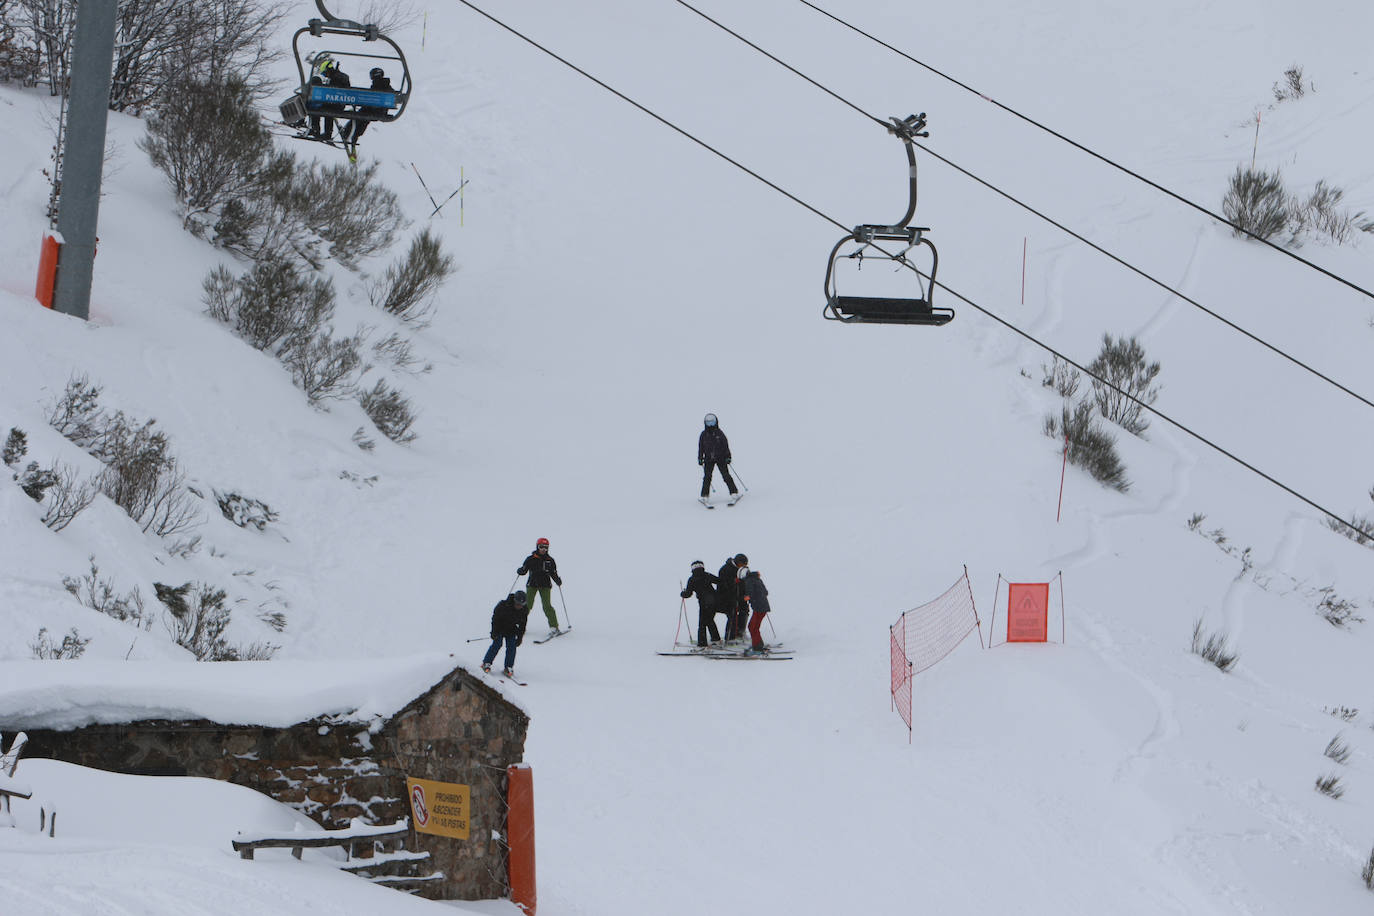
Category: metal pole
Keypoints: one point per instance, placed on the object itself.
(83, 154)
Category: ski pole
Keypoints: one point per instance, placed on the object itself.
(738, 477)
(426, 187)
(478, 639)
(682, 615)
(565, 606)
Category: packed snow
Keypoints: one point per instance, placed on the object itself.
(617, 281)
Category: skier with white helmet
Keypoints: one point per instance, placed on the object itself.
(543, 573)
(713, 450)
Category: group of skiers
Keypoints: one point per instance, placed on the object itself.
(510, 617)
(735, 591)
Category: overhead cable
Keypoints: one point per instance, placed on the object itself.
(1096, 155)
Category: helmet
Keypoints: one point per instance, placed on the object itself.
(519, 597)
(542, 542)
(711, 420)
(741, 560)
(743, 571)
(697, 564)
(376, 73)
(325, 62)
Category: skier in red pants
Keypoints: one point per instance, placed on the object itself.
(756, 593)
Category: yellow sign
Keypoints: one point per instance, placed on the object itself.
(440, 808)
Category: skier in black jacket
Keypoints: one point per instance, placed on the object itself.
(543, 572)
(508, 621)
(703, 584)
(756, 594)
(354, 129)
(728, 594)
(713, 450)
(327, 73)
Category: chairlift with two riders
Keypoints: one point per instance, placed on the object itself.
(344, 103)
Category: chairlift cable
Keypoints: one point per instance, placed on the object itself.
(1119, 260)
(996, 318)
(1096, 155)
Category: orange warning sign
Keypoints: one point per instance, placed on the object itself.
(440, 807)
(1027, 611)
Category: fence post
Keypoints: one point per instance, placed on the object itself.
(520, 836)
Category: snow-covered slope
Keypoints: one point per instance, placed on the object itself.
(616, 281)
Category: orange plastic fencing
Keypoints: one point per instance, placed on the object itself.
(923, 636)
(520, 837)
(47, 270)
(1028, 606)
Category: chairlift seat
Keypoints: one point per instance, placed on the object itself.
(887, 310)
(338, 95)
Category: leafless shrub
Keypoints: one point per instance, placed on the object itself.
(1213, 648)
(69, 496)
(71, 646)
(1330, 786)
(408, 287)
(390, 410)
(1062, 377)
(1089, 446)
(1290, 87)
(325, 367)
(399, 353)
(1337, 750)
(36, 481)
(1367, 873)
(272, 305)
(77, 413)
(1337, 611)
(99, 595)
(1344, 713)
(1122, 364)
(1256, 203)
(363, 440)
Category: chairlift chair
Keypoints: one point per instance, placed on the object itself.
(363, 104)
(888, 309)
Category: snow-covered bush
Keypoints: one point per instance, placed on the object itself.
(1090, 447)
(243, 511)
(1256, 203)
(1062, 377)
(70, 495)
(143, 478)
(99, 595)
(1367, 873)
(325, 367)
(408, 287)
(1122, 363)
(209, 141)
(16, 447)
(272, 306)
(77, 413)
(1337, 750)
(71, 646)
(1330, 785)
(390, 410)
(1213, 648)
(1291, 86)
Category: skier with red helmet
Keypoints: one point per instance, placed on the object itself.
(542, 570)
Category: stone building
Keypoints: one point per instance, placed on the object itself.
(335, 741)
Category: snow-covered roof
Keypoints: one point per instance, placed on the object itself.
(67, 695)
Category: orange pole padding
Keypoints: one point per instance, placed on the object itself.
(47, 270)
(520, 836)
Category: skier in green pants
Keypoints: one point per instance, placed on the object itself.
(543, 573)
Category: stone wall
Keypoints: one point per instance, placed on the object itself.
(459, 731)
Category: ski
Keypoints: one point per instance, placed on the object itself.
(513, 679)
(736, 498)
(563, 632)
(702, 500)
(683, 654)
(766, 657)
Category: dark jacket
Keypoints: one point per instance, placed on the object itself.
(757, 593)
(727, 591)
(541, 569)
(703, 584)
(509, 618)
(337, 79)
(713, 446)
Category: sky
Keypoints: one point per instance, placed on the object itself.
(615, 282)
